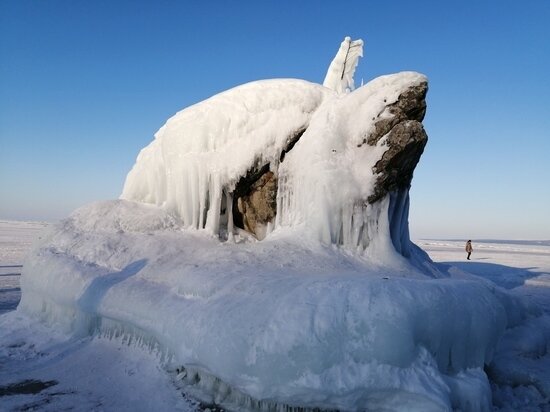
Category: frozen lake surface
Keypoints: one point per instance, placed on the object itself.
(522, 267)
(16, 239)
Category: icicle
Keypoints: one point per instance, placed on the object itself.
(213, 214)
(229, 213)
(210, 389)
(193, 196)
(347, 223)
(357, 226)
(399, 226)
(282, 201)
(269, 228)
(203, 194)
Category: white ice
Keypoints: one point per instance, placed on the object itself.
(342, 69)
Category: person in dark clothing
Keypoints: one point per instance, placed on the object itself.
(469, 248)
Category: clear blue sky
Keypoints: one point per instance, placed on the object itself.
(85, 84)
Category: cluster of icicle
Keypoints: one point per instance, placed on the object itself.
(193, 164)
(212, 392)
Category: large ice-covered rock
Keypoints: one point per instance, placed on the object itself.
(334, 309)
(323, 161)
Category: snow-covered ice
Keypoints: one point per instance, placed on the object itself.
(501, 262)
(286, 320)
(520, 371)
(110, 373)
(196, 159)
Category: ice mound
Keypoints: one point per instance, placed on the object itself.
(285, 321)
(334, 308)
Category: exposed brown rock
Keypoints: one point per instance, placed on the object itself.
(255, 195)
(258, 207)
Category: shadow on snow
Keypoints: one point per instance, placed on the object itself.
(96, 291)
(507, 277)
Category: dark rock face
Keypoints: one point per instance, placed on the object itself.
(411, 105)
(406, 141)
(256, 202)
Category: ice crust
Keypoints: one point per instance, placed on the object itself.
(288, 320)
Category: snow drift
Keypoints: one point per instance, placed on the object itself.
(335, 308)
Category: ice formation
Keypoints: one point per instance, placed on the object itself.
(341, 70)
(334, 309)
(320, 147)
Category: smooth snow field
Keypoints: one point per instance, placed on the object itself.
(42, 368)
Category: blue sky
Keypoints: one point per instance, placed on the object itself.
(85, 84)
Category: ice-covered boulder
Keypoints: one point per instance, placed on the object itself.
(288, 153)
(256, 202)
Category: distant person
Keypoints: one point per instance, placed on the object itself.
(469, 248)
